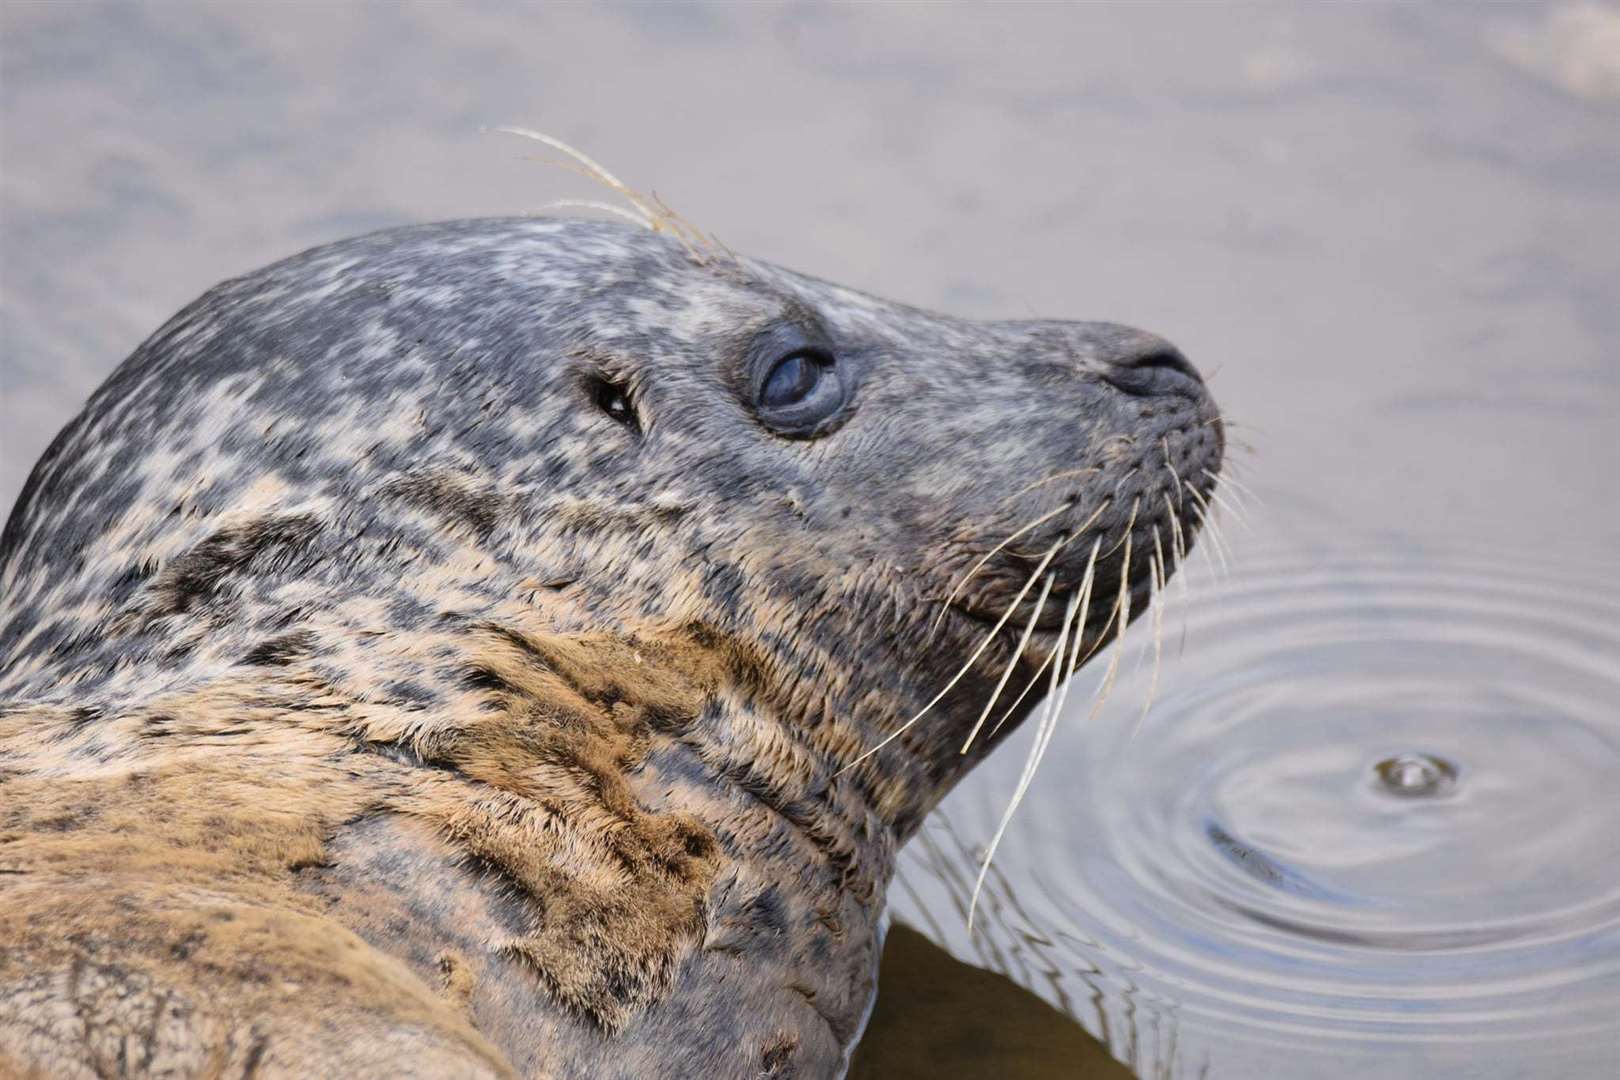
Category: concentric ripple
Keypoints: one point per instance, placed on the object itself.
(1370, 826)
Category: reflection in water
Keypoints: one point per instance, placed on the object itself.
(1269, 870)
(938, 1017)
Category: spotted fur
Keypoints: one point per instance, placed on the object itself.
(377, 705)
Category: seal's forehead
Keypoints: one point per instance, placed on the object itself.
(509, 255)
(603, 284)
(688, 307)
(850, 313)
(606, 282)
(500, 279)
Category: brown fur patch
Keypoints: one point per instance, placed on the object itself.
(233, 787)
(616, 891)
(124, 976)
(458, 980)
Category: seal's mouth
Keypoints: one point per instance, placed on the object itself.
(1042, 614)
(1111, 562)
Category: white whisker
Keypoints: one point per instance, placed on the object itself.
(1227, 477)
(1012, 662)
(1022, 694)
(1123, 606)
(1230, 506)
(1079, 626)
(652, 213)
(592, 168)
(1168, 464)
(595, 204)
(1178, 540)
(1053, 479)
(967, 665)
(1156, 565)
(1206, 518)
(1043, 736)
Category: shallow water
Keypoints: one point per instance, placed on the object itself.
(1369, 824)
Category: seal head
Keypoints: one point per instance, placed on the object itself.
(548, 616)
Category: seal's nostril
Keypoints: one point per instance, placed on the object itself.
(1156, 368)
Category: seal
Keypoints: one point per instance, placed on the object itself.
(520, 647)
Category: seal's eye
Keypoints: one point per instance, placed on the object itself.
(793, 379)
(800, 392)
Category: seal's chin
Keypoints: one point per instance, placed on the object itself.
(1076, 592)
(1041, 636)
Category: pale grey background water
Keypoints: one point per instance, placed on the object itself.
(1390, 232)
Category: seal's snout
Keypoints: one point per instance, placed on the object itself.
(1147, 366)
(1120, 467)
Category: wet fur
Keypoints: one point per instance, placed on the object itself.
(378, 707)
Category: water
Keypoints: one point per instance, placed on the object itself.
(1368, 826)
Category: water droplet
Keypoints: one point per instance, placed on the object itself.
(1416, 776)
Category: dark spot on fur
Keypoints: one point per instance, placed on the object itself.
(400, 754)
(696, 842)
(59, 823)
(65, 645)
(255, 1056)
(407, 612)
(766, 912)
(173, 656)
(133, 575)
(479, 677)
(409, 693)
(182, 949)
(78, 720)
(777, 1060)
(285, 617)
(279, 651)
(450, 499)
(157, 724)
(268, 544)
(667, 720)
(620, 987)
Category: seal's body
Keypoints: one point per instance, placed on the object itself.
(457, 652)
